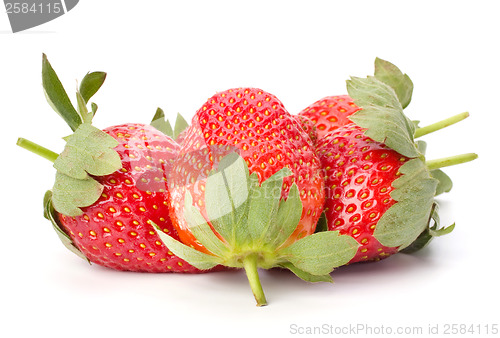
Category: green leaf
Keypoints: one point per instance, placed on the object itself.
(226, 197)
(91, 84)
(444, 181)
(49, 213)
(392, 76)
(57, 97)
(194, 257)
(305, 275)
(180, 125)
(429, 233)
(161, 124)
(322, 224)
(319, 253)
(200, 229)
(414, 192)
(82, 109)
(287, 218)
(421, 146)
(382, 115)
(88, 150)
(94, 108)
(263, 210)
(70, 194)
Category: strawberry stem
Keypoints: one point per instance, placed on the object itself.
(250, 266)
(37, 149)
(449, 161)
(440, 125)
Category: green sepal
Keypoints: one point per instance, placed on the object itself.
(227, 195)
(161, 124)
(382, 115)
(306, 276)
(90, 84)
(392, 76)
(322, 224)
(49, 213)
(82, 109)
(194, 257)
(180, 125)
(57, 97)
(414, 192)
(287, 218)
(429, 233)
(444, 181)
(70, 194)
(88, 151)
(319, 253)
(200, 228)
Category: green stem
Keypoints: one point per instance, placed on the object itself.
(250, 265)
(37, 149)
(449, 161)
(440, 125)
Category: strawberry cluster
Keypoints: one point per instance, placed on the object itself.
(247, 184)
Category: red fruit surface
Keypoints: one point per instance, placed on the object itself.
(115, 231)
(330, 113)
(308, 125)
(255, 124)
(359, 174)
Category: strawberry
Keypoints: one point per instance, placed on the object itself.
(379, 187)
(247, 192)
(308, 126)
(110, 186)
(115, 231)
(330, 113)
(255, 124)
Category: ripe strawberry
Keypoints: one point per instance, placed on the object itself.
(115, 231)
(110, 185)
(308, 126)
(379, 187)
(330, 113)
(358, 177)
(247, 192)
(256, 124)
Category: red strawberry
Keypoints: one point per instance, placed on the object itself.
(358, 177)
(308, 126)
(379, 187)
(256, 124)
(330, 113)
(115, 231)
(247, 192)
(110, 186)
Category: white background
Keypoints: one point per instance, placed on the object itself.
(176, 54)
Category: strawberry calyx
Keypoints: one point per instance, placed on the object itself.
(251, 225)
(88, 152)
(163, 125)
(382, 99)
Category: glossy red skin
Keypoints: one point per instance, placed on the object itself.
(114, 231)
(256, 125)
(308, 125)
(330, 113)
(358, 181)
